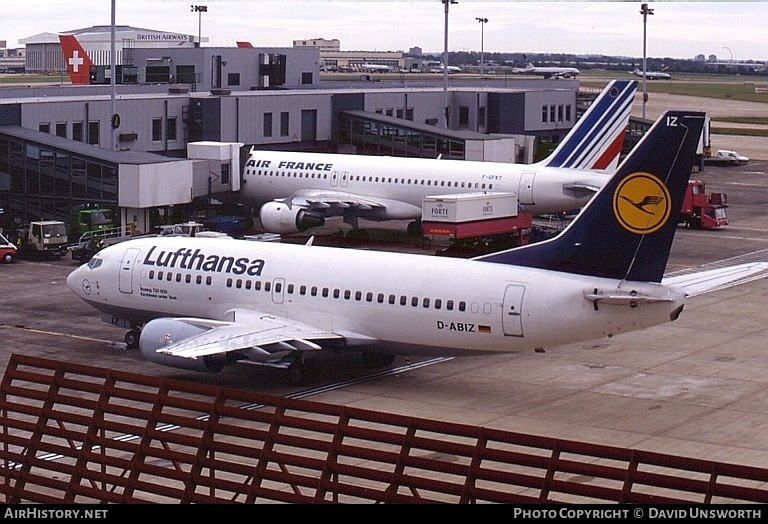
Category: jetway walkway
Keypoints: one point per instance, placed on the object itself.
(80, 434)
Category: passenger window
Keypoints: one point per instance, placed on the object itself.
(449, 305)
(229, 282)
(438, 303)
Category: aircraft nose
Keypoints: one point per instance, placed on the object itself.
(74, 280)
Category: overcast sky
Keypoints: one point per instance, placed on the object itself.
(676, 29)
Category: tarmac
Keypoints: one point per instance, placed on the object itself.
(753, 147)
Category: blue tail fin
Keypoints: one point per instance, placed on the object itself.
(626, 230)
(596, 139)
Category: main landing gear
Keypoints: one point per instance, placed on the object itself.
(132, 338)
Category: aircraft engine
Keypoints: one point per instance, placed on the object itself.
(277, 217)
(160, 332)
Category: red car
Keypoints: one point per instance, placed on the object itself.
(7, 250)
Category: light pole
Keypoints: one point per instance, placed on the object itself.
(446, 3)
(482, 21)
(199, 9)
(645, 11)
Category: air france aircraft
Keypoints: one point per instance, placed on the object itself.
(298, 191)
(202, 303)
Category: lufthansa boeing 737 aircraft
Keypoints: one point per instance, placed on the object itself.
(298, 191)
(203, 303)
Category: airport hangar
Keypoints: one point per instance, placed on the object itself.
(64, 146)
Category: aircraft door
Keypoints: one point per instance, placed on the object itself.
(125, 278)
(512, 314)
(278, 290)
(525, 190)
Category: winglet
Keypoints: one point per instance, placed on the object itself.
(626, 230)
(77, 60)
(596, 139)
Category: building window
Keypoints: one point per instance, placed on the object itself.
(463, 117)
(171, 128)
(44, 127)
(306, 78)
(77, 131)
(233, 79)
(481, 116)
(267, 124)
(284, 123)
(544, 114)
(93, 133)
(61, 129)
(157, 129)
(225, 170)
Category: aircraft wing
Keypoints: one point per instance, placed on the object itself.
(323, 199)
(711, 280)
(260, 332)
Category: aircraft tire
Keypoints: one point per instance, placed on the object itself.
(132, 339)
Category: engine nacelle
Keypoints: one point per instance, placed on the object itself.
(161, 332)
(277, 217)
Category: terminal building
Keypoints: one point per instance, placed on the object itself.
(177, 136)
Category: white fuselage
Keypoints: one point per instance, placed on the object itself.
(412, 304)
(403, 183)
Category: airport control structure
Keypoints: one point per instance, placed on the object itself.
(173, 128)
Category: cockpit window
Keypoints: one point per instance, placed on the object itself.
(94, 262)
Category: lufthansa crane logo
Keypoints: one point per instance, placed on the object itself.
(641, 203)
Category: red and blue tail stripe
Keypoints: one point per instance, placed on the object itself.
(596, 139)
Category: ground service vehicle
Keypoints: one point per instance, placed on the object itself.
(702, 211)
(475, 223)
(8, 251)
(91, 219)
(42, 239)
(726, 157)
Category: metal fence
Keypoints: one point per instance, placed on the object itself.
(79, 434)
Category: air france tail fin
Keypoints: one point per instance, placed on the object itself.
(77, 60)
(596, 139)
(625, 232)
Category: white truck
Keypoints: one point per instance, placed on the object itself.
(726, 157)
(42, 239)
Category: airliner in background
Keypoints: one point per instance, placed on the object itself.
(76, 59)
(297, 191)
(202, 303)
(652, 75)
(547, 71)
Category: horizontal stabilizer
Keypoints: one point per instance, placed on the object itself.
(714, 279)
(628, 298)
